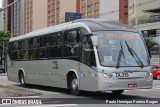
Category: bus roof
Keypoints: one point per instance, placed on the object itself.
(92, 25)
(103, 24)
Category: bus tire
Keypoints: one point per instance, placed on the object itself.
(73, 85)
(117, 92)
(22, 79)
(158, 77)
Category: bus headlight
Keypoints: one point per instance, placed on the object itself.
(151, 74)
(105, 75)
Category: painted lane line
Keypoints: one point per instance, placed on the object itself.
(54, 105)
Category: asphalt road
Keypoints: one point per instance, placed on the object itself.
(56, 97)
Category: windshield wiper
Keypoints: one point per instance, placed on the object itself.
(134, 55)
(120, 55)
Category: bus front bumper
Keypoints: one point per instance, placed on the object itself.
(125, 84)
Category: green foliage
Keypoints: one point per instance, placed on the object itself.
(150, 43)
(5, 35)
(4, 38)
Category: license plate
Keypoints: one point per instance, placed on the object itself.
(122, 75)
(132, 85)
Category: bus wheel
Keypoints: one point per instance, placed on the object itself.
(74, 85)
(158, 77)
(117, 92)
(22, 80)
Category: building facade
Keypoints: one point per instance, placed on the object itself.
(114, 10)
(17, 20)
(12, 17)
(43, 13)
(7, 15)
(1, 21)
(140, 10)
(123, 11)
(105, 9)
(145, 16)
(109, 10)
(29, 15)
(90, 8)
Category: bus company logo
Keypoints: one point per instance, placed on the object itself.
(6, 101)
(21, 101)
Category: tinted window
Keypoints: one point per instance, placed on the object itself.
(72, 37)
(16, 45)
(56, 51)
(25, 44)
(16, 55)
(72, 45)
(33, 54)
(24, 54)
(44, 41)
(43, 53)
(56, 39)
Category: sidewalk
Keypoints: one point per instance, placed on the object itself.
(13, 89)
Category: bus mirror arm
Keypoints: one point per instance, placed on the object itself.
(88, 35)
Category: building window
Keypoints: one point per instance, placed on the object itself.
(126, 6)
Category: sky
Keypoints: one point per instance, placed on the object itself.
(0, 3)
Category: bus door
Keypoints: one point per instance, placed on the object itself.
(88, 78)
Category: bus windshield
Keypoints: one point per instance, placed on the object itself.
(121, 49)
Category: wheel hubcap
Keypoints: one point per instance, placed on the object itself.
(158, 76)
(22, 80)
(75, 84)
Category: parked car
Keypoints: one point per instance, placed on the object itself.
(2, 69)
(154, 18)
(156, 71)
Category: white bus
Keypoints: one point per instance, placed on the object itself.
(90, 55)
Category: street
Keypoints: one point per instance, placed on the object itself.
(62, 97)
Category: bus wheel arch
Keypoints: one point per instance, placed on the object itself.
(158, 76)
(73, 82)
(21, 76)
(117, 92)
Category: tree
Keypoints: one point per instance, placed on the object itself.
(4, 37)
(150, 43)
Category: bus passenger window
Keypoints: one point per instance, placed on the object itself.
(53, 40)
(72, 37)
(56, 52)
(34, 54)
(16, 55)
(43, 53)
(59, 38)
(16, 45)
(71, 48)
(65, 37)
(24, 44)
(24, 55)
(44, 41)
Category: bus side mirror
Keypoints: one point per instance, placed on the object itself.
(87, 37)
(95, 40)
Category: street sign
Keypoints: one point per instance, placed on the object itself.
(69, 16)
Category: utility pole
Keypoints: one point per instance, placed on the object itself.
(3, 57)
(2, 9)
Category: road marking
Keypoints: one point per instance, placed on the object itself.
(26, 97)
(157, 87)
(152, 89)
(43, 91)
(54, 105)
